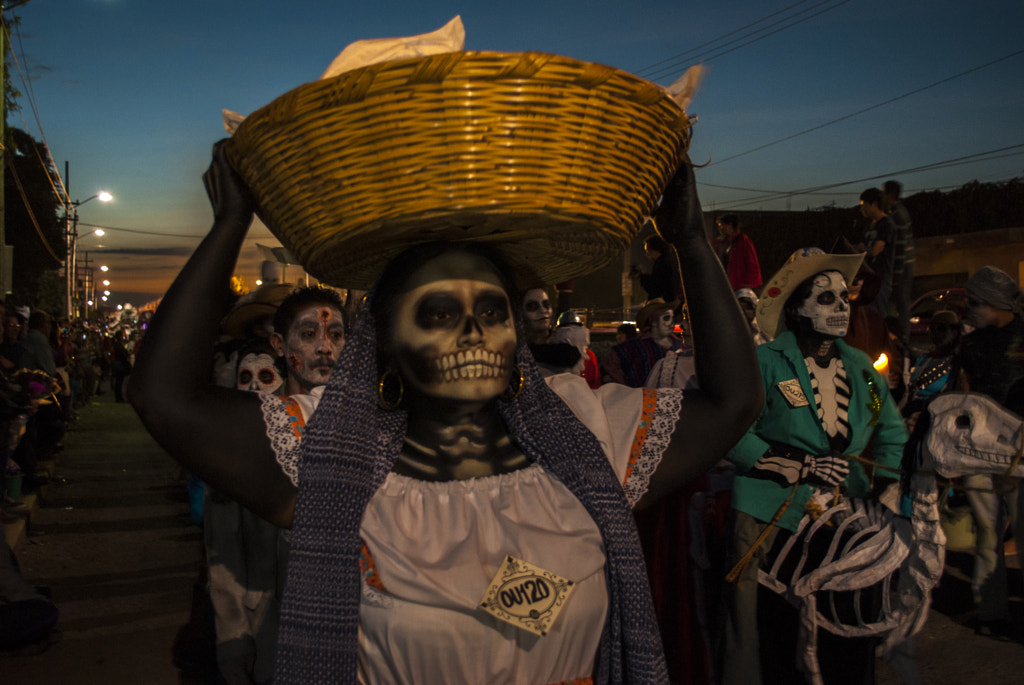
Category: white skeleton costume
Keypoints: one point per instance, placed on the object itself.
(837, 549)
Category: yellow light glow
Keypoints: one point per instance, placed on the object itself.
(882, 363)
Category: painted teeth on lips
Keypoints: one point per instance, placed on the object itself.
(470, 364)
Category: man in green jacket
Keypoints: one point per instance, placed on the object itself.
(824, 405)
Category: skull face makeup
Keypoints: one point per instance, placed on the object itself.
(311, 346)
(663, 325)
(828, 304)
(454, 337)
(537, 313)
(257, 373)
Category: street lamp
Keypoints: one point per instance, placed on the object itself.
(71, 226)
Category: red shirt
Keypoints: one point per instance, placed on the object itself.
(741, 262)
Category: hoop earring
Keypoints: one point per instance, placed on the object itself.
(515, 386)
(384, 403)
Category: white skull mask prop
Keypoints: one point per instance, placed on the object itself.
(454, 338)
(828, 304)
(257, 373)
(972, 434)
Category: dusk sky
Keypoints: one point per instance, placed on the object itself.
(835, 94)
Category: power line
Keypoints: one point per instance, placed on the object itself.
(957, 161)
(872, 107)
(137, 231)
(680, 55)
(679, 65)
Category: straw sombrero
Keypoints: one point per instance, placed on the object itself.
(253, 306)
(553, 161)
(800, 266)
(651, 309)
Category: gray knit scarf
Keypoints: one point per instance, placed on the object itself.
(349, 447)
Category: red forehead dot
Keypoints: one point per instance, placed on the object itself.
(774, 292)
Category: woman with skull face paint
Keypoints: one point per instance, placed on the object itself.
(823, 401)
(440, 494)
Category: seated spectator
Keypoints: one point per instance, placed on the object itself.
(26, 615)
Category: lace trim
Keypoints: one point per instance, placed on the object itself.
(285, 426)
(657, 423)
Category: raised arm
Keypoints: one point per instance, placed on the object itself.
(730, 396)
(217, 433)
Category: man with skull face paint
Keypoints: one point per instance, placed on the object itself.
(309, 332)
(422, 475)
(823, 401)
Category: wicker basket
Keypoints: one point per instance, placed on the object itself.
(553, 160)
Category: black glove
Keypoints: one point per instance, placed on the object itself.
(229, 196)
(678, 218)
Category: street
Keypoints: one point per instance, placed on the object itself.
(113, 542)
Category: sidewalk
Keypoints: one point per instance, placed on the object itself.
(112, 540)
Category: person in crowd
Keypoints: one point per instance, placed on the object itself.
(537, 315)
(570, 329)
(309, 333)
(631, 362)
(991, 362)
(120, 367)
(935, 371)
(247, 555)
(9, 354)
(748, 303)
(880, 244)
(412, 449)
(738, 254)
(867, 331)
(11, 348)
(625, 331)
(903, 255)
(662, 283)
(44, 430)
(36, 350)
(824, 404)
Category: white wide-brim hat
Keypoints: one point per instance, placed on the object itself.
(800, 266)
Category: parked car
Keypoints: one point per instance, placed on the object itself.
(924, 307)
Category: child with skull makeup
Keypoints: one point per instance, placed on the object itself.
(442, 487)
(825, 406)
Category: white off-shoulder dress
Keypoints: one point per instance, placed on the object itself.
(432, 549)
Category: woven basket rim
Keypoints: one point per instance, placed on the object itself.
(297, 126)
